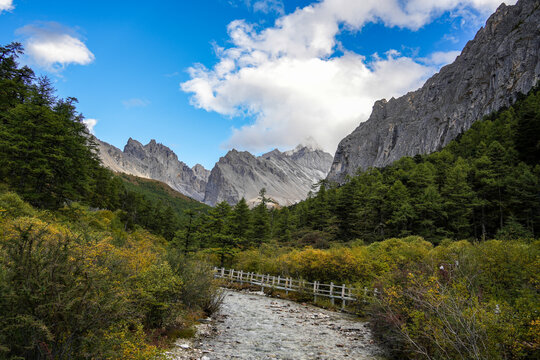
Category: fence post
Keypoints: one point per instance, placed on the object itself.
(315, 290)
(241, 274)
(222, 272)
(343, 297)
(331, 291)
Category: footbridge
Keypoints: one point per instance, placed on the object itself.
(317, 289)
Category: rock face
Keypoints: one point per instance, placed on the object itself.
(493, 68)
(286, 176)
(158, 162)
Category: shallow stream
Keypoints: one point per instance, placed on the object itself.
(254, 326)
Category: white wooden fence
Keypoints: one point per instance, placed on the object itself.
(317, 289)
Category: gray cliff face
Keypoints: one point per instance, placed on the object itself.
(158, 162)
(286, 176)
(493, 68)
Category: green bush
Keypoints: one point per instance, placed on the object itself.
(12, 206)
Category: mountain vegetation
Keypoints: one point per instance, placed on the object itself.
(95, 265)
(483, 185)
(447, 239)
(86, 271)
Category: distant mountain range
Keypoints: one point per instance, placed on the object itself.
(286, 176)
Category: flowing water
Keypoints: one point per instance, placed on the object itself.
(253, 326)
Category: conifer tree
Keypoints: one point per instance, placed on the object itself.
(241, 220)
(260, 222)
(458, 199)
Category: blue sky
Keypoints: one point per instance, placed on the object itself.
(204, 76)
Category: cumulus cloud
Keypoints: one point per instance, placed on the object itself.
(292, 81)
(6, 5)
(440, 58)
(90, 123)
(135, 102)
(53, 46)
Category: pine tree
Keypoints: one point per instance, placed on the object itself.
(458, 199)
(46, 153)
(320, 213)
(260, 222)
(400, 208)
(241, 220)
(284, 226)
(431, 215)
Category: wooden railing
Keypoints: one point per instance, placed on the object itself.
(317, 289)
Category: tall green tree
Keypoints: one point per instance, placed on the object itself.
(260, 220)
(241, 220)
(46, 153)
(459, 198)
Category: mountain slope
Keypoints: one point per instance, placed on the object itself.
(158, 162)
(502, 61)
(286, 176)
(157, 191)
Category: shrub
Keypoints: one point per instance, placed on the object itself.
(12, 206)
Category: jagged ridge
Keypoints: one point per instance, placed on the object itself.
(158, 162)
(287, 176)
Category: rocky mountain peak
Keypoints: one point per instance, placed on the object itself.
(274, 152)
(134, 148)
(155, 161)
(132, 144)
(286, 176)
(502, 61)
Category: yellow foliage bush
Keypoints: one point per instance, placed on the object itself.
(119, 342)
(94, 289)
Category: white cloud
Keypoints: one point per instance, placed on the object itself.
(263, 6)
(90, 123)
(269, 6)
(6, 5)
(290, 79)
(135, 102)
(53, 46)
(441, 58)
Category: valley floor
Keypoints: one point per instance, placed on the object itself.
(253, 326)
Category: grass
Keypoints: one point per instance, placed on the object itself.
(158, 191)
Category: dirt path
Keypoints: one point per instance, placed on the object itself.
(253, 326)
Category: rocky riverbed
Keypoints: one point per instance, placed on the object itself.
(253, 326)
